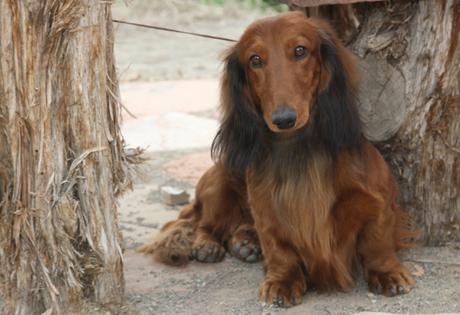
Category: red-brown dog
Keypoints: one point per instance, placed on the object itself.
(295, 173)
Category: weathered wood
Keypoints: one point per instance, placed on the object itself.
(341, 16)
(409, 55)
(62, 162)
(382, 98)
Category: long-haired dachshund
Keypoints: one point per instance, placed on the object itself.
(295, 180)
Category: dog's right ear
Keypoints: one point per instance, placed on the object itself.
(239, 134)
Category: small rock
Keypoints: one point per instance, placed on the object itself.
(173, 196)
(191, 193)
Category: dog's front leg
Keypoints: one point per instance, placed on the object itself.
(284, 282)
(378, 244)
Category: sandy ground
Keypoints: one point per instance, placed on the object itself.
(170, 82)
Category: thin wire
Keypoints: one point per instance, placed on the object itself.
(176, 31)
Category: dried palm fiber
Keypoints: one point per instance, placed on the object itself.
(62, 157)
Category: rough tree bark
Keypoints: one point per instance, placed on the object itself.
(423, 147)
(62, 157)
(409, 56)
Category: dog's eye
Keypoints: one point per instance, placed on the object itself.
(300, 51)
(255, 61)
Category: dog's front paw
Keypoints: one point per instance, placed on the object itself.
(208, 251)
(282, 293)
(396, 281)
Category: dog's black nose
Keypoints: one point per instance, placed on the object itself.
(284, 117)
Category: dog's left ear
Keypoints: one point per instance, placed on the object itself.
(238, 138)
(338, 117)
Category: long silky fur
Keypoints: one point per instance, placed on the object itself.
(172, 246)
(338, 117)
(239, 136)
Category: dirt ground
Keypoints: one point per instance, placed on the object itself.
(229, 287)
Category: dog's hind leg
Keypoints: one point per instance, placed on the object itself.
(172, 245)
(218, 220)
(244, 243)
(223, 209)
(207, 247)
(379, 243)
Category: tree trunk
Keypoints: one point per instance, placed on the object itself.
(62, 160)
(409, 57)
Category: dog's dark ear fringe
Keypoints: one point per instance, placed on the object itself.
(338, 118)
(239, 135)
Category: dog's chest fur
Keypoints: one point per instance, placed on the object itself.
(293, 178)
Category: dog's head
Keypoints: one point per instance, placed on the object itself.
(279, 71)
